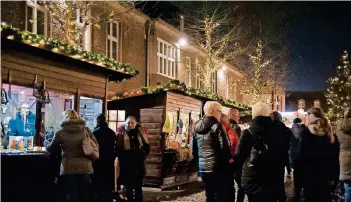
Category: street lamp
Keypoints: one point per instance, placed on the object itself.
(182, 42)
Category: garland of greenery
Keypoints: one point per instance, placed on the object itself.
(177, 85)
(64, 48)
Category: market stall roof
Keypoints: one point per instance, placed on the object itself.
(180, 88)
(22, 41)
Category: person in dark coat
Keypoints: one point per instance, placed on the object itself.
(132, 150)
(210, 147)
(260, 180)
(103, 178)
(295, 140)
(318, 158)
(285, 133)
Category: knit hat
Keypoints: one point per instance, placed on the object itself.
(297, 120)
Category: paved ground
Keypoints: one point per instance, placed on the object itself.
(192, 192)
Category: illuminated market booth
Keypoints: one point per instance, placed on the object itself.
(40, 79)
(168, 112)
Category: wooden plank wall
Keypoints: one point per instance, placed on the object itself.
(58, 78)
(184, 103)
(152, 119)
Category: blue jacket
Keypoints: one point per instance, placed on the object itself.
(17, 127)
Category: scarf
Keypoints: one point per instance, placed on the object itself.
(124, 140)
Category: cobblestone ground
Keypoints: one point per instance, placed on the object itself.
(193, 192)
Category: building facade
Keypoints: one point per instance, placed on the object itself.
(152, 45)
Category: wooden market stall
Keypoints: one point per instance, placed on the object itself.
(168, 116)
(38, 74)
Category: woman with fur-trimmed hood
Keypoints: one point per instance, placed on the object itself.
(318, 158)
(343, 131)
(132, 150)
(75, 165)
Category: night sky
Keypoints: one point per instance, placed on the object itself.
(317, 40)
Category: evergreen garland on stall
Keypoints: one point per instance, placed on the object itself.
(62, 47)
(193, 92)
(339, 91)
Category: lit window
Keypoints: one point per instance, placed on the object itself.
(86, 36)
(116, 118)
(36, 18)
(166, 57)
(112, 43)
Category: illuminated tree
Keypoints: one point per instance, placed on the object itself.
(219, 31)
(256, 77)
(339, 91)
(73, 24)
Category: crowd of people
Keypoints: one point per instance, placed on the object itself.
(85, 179)
(257, 157)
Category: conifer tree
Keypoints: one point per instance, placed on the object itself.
(339, 91)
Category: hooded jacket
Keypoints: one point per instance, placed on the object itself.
(318, 157)
(210, 145)
(68, 140)
(343, 132)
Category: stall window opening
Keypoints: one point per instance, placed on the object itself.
(18, 115)
(116, 118)
(89, 109)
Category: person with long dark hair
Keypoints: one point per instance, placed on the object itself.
(132, 150)
(318, 158)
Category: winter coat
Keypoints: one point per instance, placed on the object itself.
(132, 150)
(343, 133)
(106, 139)
(318, 158)
(68, 140)
(233, 139)
(284, 135)
(235, 126)
(295, 139)
(210, 145)
(275, 156)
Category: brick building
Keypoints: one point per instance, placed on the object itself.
(152, 45)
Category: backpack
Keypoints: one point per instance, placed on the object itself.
(258, 154)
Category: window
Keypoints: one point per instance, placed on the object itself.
(116, 118)
(112, 43)
(166, 59)
(214, 82)
(86, 37)
(36, 18)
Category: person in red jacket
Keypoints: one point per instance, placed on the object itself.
(231, 120)
(232, 136)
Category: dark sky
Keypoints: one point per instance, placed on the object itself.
(317, 40)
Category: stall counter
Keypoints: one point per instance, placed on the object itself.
(28, 177)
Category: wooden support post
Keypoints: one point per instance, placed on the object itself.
(39, 121)
(77, 101)
(104, 105)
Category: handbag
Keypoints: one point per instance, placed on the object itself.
(90, 148)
